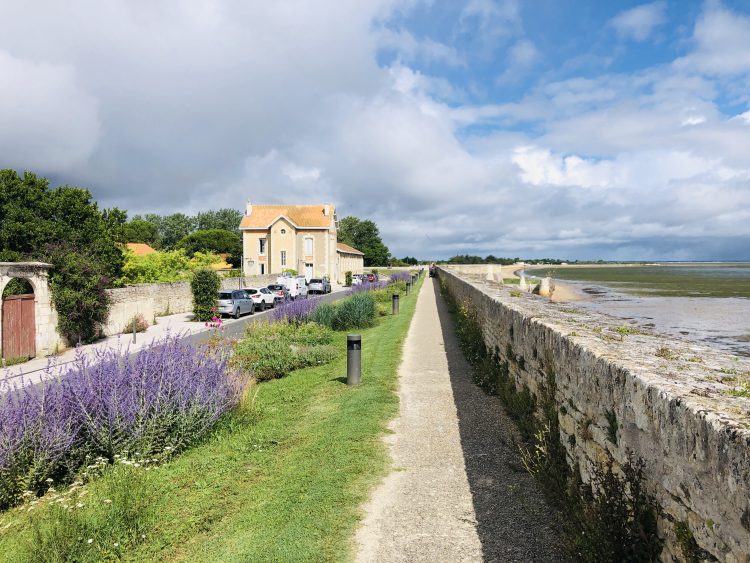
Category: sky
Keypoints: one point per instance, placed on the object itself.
(564, 128)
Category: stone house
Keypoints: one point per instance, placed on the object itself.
(299, 237)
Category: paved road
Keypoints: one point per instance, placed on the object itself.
(235, 328)
(457, 492)
(33, 371)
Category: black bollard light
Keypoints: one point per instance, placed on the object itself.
(353, 359)
(408, 286)
(395, 304)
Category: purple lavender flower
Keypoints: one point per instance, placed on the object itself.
(161, 399)
(400, 276)
(295, 312)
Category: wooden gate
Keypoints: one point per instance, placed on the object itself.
(19, 328)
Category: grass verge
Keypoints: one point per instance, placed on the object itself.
(281, 480)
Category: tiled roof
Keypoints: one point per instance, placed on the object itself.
(341, 247)
(139, 248)
(262, 216)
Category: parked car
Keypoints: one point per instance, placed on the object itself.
(372, 277)
(296, 285)
(357, 279)
(261, 296)
(235, 303)
(280, 292)
(319, 285)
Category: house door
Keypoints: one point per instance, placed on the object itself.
(19, 328)
(308, 271)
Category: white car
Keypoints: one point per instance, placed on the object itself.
(297, 285)
(261, 296)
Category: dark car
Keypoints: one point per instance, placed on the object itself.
(280, 292)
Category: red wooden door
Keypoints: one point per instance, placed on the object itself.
(19, 328)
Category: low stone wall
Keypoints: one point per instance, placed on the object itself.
(672, 409)
(158, 299)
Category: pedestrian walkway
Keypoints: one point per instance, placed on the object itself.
(457, 491)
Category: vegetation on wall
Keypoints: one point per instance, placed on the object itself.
(610, 519)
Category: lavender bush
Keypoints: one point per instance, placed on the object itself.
(400, 276)
(295, 312)
(367, 286)
(158, 401)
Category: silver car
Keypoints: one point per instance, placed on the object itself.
(319, 285)
(235, 303)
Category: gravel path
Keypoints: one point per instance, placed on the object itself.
(457, 492)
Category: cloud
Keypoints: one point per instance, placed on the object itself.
(190, 106)
(722, 42)
(640, 23)
(49, 121)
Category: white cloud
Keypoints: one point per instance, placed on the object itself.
(641, 22)
(160, 105)
(411, 49)
(722, 42)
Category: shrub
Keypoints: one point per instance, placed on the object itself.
(348, 279)
(79, 294)
(358, 311)
(295, 312)
(325, 314)
(205, 286)
(141, 324)
(158, 401)
(272, 350)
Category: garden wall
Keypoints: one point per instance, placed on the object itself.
(665, 400)
(158, 299)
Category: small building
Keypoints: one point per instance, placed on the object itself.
(349, 259)
(276, 238)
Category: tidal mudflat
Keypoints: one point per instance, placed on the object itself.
(706, 302)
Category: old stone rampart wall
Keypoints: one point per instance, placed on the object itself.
(665, 400)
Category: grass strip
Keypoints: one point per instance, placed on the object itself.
(281, 480)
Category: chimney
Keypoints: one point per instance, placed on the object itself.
(249, 208)
(326, 210)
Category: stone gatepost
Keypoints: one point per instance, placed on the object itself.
(45, 318)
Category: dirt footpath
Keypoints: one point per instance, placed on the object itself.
(457, 491)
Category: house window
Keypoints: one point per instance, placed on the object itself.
(308, 247)
(283, 231)
(262, 246)
(283, 257)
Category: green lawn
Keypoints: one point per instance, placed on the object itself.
(282, 479)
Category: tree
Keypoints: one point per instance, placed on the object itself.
(225, 219)
(139, 230)
(64, 227)
(365, 237)
(217, 241)
(173, 228)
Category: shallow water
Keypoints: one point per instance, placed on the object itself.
(714, 279)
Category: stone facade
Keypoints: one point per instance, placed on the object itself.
(671, 409)
(298, 237)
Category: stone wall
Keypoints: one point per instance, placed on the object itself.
(671, 408)
(158, 299)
